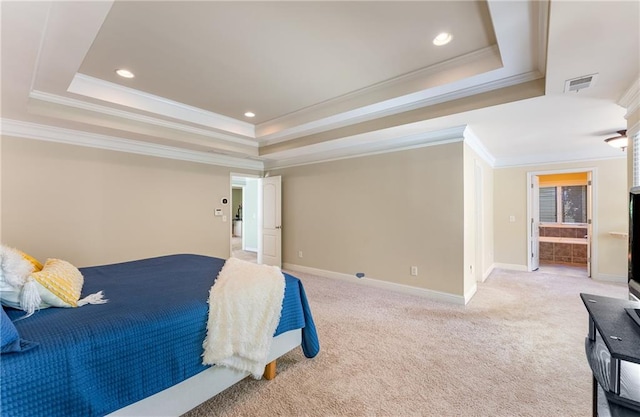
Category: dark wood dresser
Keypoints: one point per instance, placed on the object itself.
(613, 352)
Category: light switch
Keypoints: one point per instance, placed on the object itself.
(224, 218)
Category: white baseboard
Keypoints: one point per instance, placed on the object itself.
(392, 286)
(250, 249)
(513, 267)
(470, 293)
(610, 278)
(488, 272)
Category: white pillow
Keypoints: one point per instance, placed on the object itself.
(14, 271)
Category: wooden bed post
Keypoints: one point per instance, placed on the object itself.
(270, 370)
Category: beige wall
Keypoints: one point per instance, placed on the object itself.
(92, 206)
(610, 204)
(379, 215)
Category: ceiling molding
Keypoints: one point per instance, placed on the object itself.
(290, 164)
(43, 37)
(110, 111)
(552, 159)
(385, 109)
(543, 33)
(129, 97)
(272, 130)
(65, 41)
(633, 130)
(28, 130)
(363, 145)
(474, 143)
(630, 100)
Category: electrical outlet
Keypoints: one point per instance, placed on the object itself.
(414, 271)
(299, 254)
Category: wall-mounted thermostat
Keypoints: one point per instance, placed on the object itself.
(224, 201)
(218, 212)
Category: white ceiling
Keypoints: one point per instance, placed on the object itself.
(325, 79)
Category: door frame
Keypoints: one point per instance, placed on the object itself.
(592, 211)
(534, 194)
(231, 215)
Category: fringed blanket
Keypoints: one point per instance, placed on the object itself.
(244, 310)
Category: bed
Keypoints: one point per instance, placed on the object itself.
(138, 354)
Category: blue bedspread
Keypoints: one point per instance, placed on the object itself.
(96, 359)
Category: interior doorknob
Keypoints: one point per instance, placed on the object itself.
(278, 227)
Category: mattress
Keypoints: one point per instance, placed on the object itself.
(96, 359)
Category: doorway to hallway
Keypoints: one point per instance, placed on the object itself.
(244, 216)
(560, 226)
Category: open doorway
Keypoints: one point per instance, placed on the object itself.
(560, 226)
(244, 216)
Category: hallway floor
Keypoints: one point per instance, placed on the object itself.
(564, 269)
(237, 252)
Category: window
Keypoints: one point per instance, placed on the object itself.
(563, 204)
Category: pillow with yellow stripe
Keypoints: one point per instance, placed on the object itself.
(37, 266)
(59, 284)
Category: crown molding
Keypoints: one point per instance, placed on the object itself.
(543, 33)
(36, 131)
(633, 130)
(114, 93)
(474, 143)
(393, 106)
(322, 153)
(552, 159)
(290, 163)
(630, 100)
(273, 130)
(110, 111)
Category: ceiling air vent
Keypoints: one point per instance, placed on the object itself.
(580, 83)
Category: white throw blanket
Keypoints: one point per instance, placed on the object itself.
(244, 311)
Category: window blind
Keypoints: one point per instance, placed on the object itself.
(548, 209)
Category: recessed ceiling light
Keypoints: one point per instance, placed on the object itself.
(250, 114)
(442, 39)
(125, 73)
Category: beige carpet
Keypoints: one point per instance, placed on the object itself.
(517, 349)
(237, 252)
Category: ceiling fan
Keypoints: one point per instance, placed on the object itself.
(620, 141)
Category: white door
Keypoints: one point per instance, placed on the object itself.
(534, 223)
(270, 221)
(589, 222)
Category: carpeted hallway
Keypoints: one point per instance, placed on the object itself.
(517, 349)
(237, 252)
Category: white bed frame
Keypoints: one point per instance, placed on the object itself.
(190, 393)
